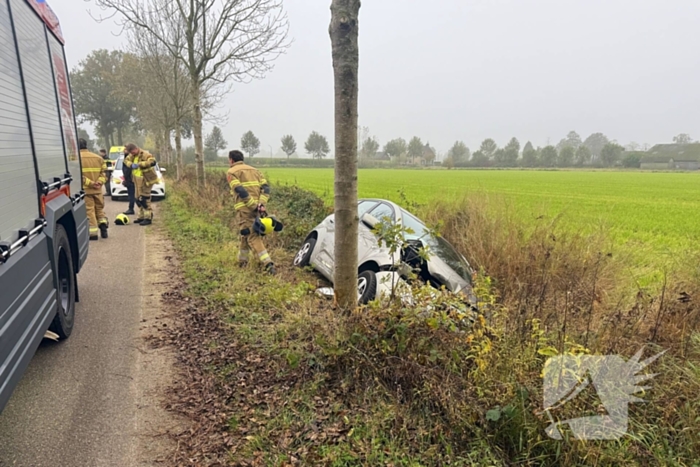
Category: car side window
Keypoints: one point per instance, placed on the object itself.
(383, 210)
(364, 206)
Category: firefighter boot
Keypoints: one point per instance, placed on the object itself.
(270, 268)
(103, 231)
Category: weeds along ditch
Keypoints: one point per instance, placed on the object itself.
(417, 385)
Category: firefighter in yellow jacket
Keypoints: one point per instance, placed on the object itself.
(144, 176)
(94, 178)
(251, 193)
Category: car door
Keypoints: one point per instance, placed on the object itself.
(325, 259)
(368, 244)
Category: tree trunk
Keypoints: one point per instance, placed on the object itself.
(344, 31)
(178, 150)
(169, 146)
(119, 135)
(105, 137)
(159, 145)
(197, 130)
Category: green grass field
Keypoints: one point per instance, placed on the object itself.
(655, 213)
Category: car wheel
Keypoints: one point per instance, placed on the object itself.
(366, 287)
(65, 310)
(303, 256)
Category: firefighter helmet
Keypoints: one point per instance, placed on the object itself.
(266, 225)
(263, 226)
(122, 219)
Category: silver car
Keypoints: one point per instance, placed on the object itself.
(445, 266)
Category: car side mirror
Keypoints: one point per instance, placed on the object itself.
(369, 220)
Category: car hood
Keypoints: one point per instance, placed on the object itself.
(444, 272)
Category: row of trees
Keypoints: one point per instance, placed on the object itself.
(316, 145)
(571, 151)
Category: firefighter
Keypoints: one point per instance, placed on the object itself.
(128, 184)
(94, 178)
(108, 173)
(251, 193)
(143, 175)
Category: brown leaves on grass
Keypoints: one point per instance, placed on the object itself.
(231, 391)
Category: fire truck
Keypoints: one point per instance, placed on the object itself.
(43, 223)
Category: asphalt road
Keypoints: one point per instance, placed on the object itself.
(77, 403)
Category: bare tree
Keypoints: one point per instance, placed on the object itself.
(217, 41)
(344, 32)
(154, 112)
(172, 80)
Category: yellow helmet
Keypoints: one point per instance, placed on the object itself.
(263, 226)
(122, 219)
(267, 225)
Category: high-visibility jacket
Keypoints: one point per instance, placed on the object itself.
(248, 186)
(146, 169)
(94, 168)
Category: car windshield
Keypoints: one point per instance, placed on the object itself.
(383, 211)
(363, 206)
(437, 246)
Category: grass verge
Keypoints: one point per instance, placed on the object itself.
(277, 377)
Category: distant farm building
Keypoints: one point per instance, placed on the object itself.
(672, 157)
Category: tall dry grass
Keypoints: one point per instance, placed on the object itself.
(576, 284)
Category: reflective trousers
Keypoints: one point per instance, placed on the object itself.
(95, 205)
(143, 198)
(249, 239)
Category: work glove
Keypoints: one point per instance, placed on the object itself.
(134, 166)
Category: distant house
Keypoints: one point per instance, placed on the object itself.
(672, 157)
(429, 155)
(382, 156)
(684, 165)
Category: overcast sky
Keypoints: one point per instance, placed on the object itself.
(447, 70)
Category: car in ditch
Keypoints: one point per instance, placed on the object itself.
(444, 266)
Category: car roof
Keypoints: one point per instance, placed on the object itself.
(390, 203)
(378, 200)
